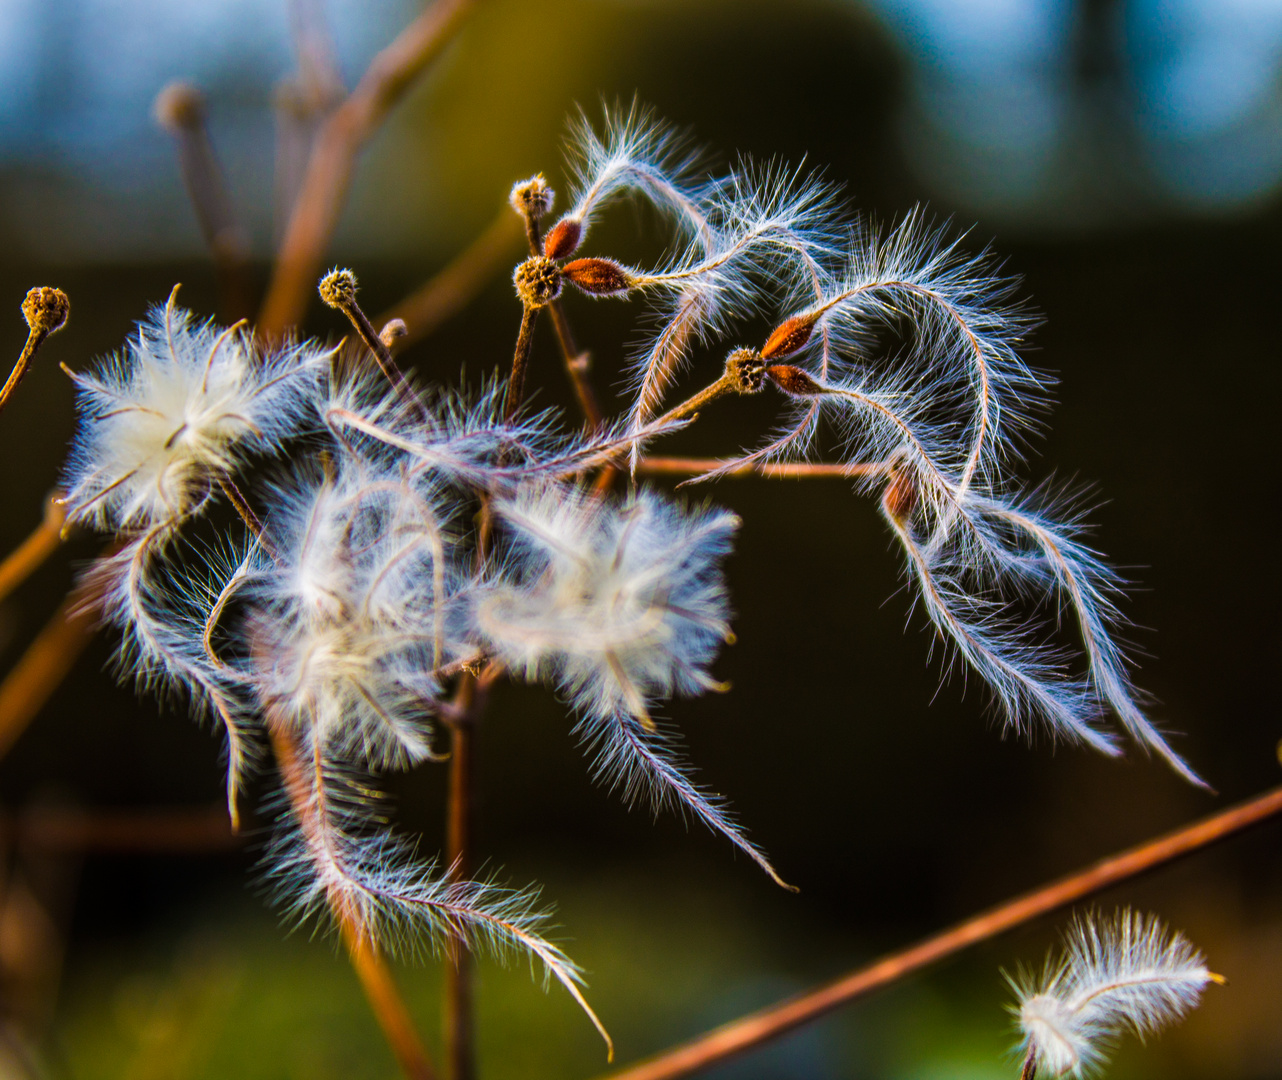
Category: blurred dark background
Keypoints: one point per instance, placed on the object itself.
(1124, 159)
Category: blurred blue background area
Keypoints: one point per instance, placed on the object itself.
(1033, 114)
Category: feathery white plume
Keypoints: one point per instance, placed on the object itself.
(1124, 973)
(174, 412)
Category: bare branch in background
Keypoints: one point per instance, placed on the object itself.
(28, 556)
(333, 158)
(180, 109)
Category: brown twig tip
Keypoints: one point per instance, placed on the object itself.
(563, 239)
(532, 198)
(179, 106)
(789, 336)
(598, 277)
(792, 380)
(537, 281)
(900, 496)
(746, 371)
(46, 310)
(393, 331)
(338, 289)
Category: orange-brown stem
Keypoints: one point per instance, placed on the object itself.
(760, 1027)
(44, 665)
(460, 1059)
(167, 830)
(32, 552)
(371, 969)
(520, 361)
(694, 466)
(333, 158)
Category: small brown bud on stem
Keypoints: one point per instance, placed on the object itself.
(537, 281)
(789, 336)
(46, 310)
(393, 330)
(532, 199)
(564, 238)
(900, 497)
(598, 277)
(792, 380)
(338, 290)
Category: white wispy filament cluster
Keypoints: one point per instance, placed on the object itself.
(1125, 973)
(395, 542)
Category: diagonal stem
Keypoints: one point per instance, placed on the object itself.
(32, 552)
(760, 1027)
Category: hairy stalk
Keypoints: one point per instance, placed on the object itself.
(376, 980)
(333, 159)
(455, 286)
(760, 1027)
(688, 408)
(32, 552)
(338, 290)
(46, 311)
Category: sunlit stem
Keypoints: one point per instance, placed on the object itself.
(520, 361)
(28, 556)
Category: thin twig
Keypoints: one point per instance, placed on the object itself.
(770, 1023)
(692, 466)
(46, 310)
(454, 286)
(371, 969)
(520, 361)
(32, 552)
(44, 665)
(166, 831)
(333, 158)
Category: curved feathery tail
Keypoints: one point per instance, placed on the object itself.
(375, 884)
(1081, 576)
(1019, 674)
(630, 757)
(129, 597)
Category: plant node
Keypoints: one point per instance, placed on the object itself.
(746, 371)
(538, 282)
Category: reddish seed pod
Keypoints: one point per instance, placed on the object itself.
(598, 277)
(900, 496)
(563, 238)
(789, 336)
(794, 381)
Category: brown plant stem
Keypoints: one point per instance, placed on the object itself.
(28, 556)
(133, 832)
(1029, 1071)
(333, 158)
(760, 1027)
(371, 969)
(454, 286)
(691, 405)
(693, 466)
(520, 361)
(44, 665)
(45, 310)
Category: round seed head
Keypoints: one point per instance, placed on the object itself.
(338, 288)
(532, 198)
(46, 309)
(538, 282)
(747, 370)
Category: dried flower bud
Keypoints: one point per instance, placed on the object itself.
(789, 336)
(794, 381)
(532, 198)
(538, 282)
(563, 239)
(178, 106)
(393, 331)
(338, 289)
(46, 310)
(598, 277)
(746, 370)
(900, 496)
